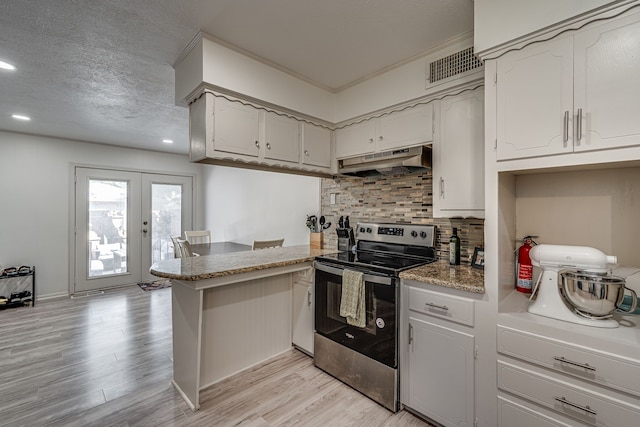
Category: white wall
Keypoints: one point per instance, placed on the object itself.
(499, 21)
(591, 208)
(35, 187)
(243, 205)
(236, 72)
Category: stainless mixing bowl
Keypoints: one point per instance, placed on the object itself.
(592, 295)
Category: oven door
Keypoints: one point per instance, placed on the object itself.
(378, 339)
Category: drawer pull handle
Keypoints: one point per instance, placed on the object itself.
(575, 405)
(561, 359)
(441, 307)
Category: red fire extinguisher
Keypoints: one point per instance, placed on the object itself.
(524, 282)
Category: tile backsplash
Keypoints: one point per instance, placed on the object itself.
(403, 198)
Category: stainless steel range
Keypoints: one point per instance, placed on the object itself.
(366, 358)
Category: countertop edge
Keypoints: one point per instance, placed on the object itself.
(230, 272)
(440, 273)
(206, 267)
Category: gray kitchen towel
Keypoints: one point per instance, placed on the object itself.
(352, 302)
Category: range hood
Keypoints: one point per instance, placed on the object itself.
(391, 162)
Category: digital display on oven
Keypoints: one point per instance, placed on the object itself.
(391, 231)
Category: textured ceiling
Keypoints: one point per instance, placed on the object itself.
(101, 71)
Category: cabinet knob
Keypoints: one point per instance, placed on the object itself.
(370, 140)
(268, 146)
(380, 138)
(257, 144)
(306, 153)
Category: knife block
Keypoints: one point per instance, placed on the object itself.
(316, 240)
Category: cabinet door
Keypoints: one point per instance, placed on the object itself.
(441, 373)
(282, 138)
(607, 84)
(458, 157)
(356, 140)
(412, 126)
(316, 146)
(303, 316)
(535, 100)
(236, 128)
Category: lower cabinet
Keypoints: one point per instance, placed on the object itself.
(439, 366)
(302, 314)
(561, 383)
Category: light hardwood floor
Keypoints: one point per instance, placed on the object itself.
(105, 360)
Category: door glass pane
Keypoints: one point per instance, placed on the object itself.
(107, 234)
(166, 219)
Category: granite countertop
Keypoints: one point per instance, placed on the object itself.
(441, 273)
(211, 266)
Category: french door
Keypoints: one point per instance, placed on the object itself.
(124, 222)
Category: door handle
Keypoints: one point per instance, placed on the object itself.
(566, 129)
(579, 126)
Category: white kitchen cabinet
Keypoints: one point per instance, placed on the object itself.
(534, 90)
(590, 385)
(406, 128)
(233, 133)
(570, 94)
(356, 140)
(316, 145)
(607, 84)
(441, 373)
(303, 310)
(282, 138)
(438, 370)
(409, 127)
(236, 128)
(458, 157)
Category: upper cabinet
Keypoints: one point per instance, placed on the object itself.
(413, 126)
(231, 133)
(607, 84)
(236, 129)
(356, 139)
(316, 145)
(533, 118)
(458, 157)
(409, 127)
(282, 138)
(579, 92)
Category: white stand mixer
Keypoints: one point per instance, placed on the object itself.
(555, 258)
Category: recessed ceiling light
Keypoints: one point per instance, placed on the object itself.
(21, 117)
(6, 66)
(167, 141)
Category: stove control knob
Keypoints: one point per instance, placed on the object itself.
(362, 229)
(423, 234)
(369, 230)
(414, 233)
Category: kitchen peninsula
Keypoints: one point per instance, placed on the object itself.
(230, 311)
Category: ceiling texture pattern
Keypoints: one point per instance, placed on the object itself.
(101, 71)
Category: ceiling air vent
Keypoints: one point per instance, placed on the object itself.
(456, 63)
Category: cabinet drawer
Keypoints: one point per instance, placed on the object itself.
(512, 412)
(593, 406)
(435, 304)
(586, 363)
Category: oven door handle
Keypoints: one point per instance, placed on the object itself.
(337, 271)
